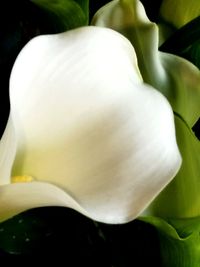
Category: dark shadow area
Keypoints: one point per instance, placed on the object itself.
(62, 234)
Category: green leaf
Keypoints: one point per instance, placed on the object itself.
(175, 77)
(84, 4)
(180, 12)
(181, 198)
(179, 241)
(65, 14)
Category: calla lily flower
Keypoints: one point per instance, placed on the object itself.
(85, 131)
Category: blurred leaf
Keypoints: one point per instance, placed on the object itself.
(64, 14)
(84, 4)
(179, 241)
(179, 12)
(181, 198)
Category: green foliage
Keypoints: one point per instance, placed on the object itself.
(64, 14)
(181, 198)
(179, 241)
(179, 12)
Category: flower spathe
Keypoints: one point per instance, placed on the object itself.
(176, 78)
(83, 124)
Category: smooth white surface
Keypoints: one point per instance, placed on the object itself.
(88, 128)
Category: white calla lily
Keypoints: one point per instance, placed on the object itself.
(83, 124)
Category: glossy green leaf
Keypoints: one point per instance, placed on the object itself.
(181, 198)
(177, 78)
(179, 241)
(66, 14)
(180, 12)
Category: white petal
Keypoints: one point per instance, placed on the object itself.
(16, 198)
(86, 123)
(7, 152)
